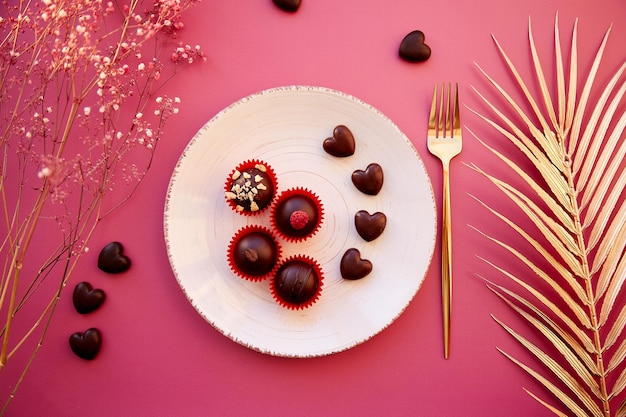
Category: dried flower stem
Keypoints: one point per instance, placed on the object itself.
(61, 160)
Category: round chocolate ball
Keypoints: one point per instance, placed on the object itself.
(296, 216)
(250, 189)
(296, 282)
(255, 253)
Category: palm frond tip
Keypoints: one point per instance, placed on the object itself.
(576, 143)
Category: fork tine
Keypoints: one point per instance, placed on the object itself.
(448, 128)
(457, 115)
(445, 119)
(432, 127)
(441, 120)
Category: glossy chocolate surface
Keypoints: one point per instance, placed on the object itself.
(290, 205)
(413, 48)
(87, 299)
(255, 253)
(370, 226)
(353, 267)
(341, 143)
(251, 189)
(288, 5)
(370, 180)
(86, 345)
(112, 259)
(296, 282)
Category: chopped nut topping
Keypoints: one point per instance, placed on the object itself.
(248, 187)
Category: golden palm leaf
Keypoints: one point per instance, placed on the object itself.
(576, 145)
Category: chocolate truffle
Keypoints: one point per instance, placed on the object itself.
(250, 187)
(297, 214)
(297, 283)
(253, 253)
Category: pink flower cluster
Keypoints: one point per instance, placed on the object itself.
(78, 112)
(103, 72)
(187, 54)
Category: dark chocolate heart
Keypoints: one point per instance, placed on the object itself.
(369, 181)
(86, 299)
(341, 144)
(413, 48)
(86, 344)
(112, 259)
(370, 226)
(288, 5)
(352, 267)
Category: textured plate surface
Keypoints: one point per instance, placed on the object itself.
(286, 127)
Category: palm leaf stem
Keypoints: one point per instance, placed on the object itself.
(573, 142)
(563, 375)
(508, 296)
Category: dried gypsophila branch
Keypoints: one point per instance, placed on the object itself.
(77, 107)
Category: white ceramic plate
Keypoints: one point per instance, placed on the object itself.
(286, 127)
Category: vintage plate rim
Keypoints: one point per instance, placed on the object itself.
(273, 347)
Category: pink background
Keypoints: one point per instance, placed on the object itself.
(160, 358)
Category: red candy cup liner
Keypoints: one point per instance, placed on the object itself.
(252, 163)
(231, 249)
(307, 303)
(294, 192)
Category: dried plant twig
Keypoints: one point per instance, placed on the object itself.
(79, 117)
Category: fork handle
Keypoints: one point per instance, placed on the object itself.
(446, 261)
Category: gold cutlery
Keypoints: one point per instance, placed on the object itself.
(444, 141)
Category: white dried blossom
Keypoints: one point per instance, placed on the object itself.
(45, 172)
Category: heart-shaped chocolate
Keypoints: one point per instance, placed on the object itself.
(86, 299)
(112, 258)
(86, 344)
(288, 5)
(370, 226)
(413, 48)
(341, 143)
(370, 180)
(352, 267)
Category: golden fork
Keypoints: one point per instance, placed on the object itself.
(444, 141)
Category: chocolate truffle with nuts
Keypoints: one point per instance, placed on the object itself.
(250, 187)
